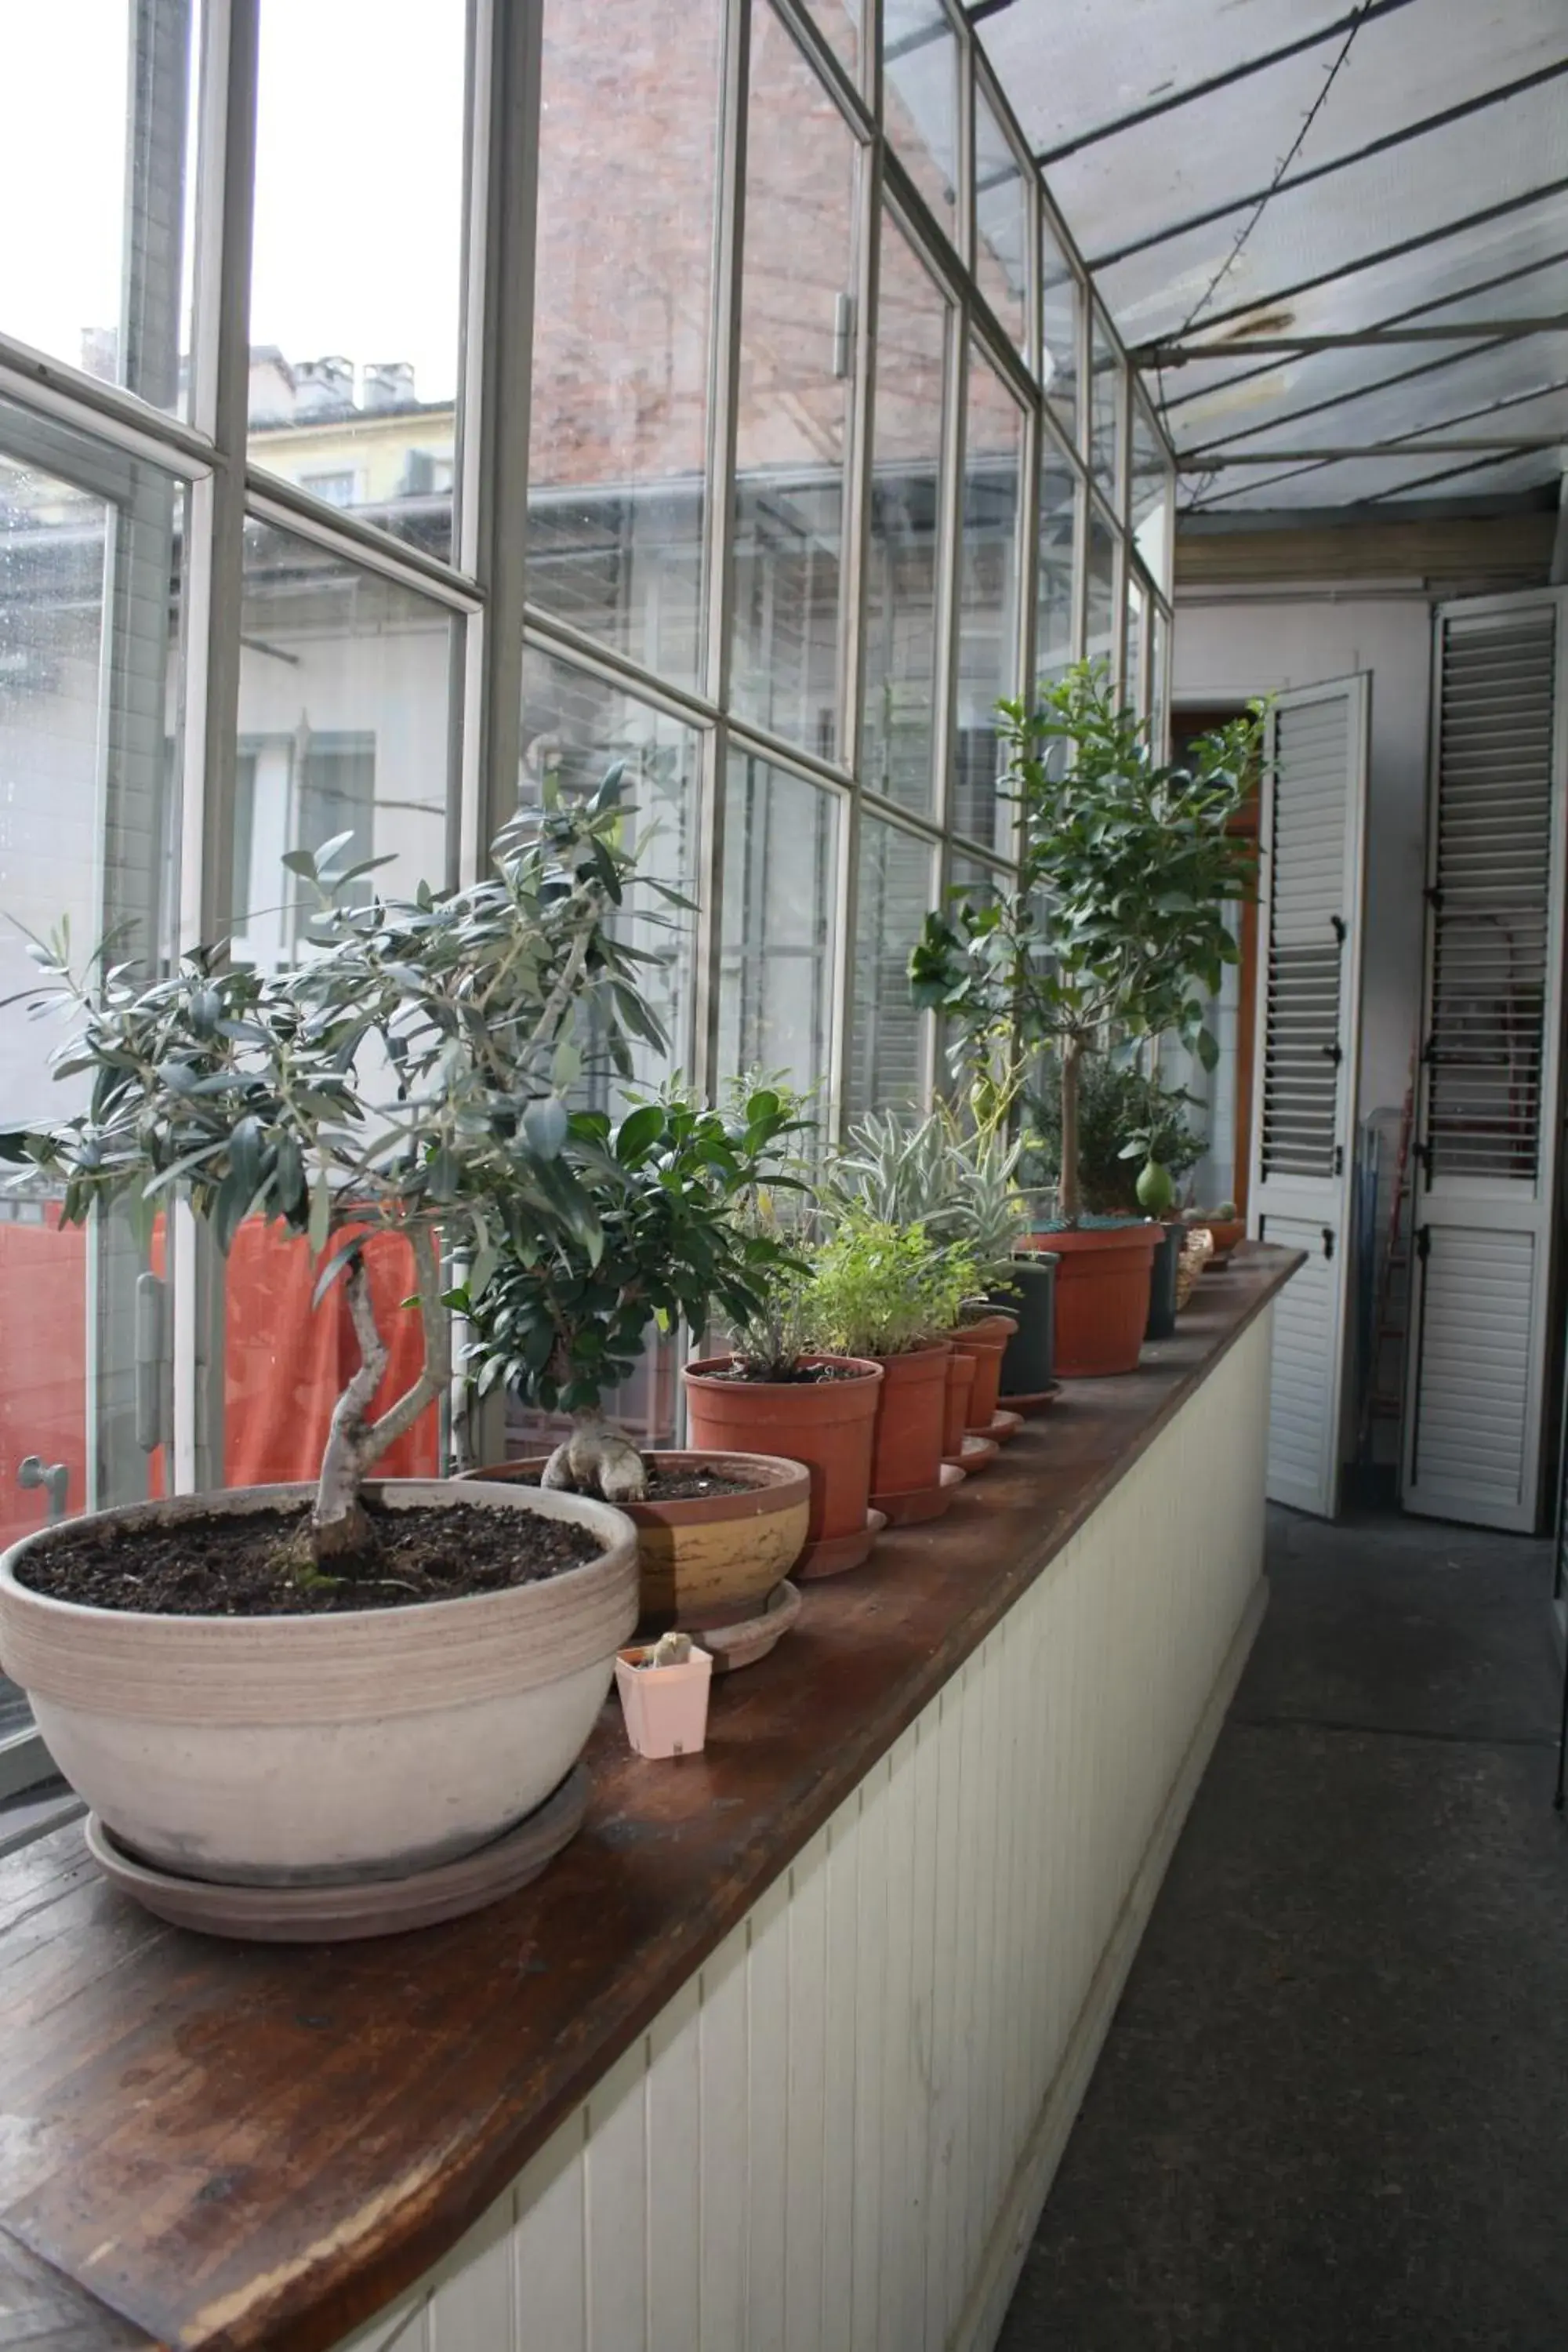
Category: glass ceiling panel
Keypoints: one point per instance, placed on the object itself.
(1465, 389)
(1310, 232)
(1070, 65)
(1229, 145)
(1203, 396)
(1423, 473)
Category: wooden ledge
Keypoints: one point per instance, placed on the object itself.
(212, 2145)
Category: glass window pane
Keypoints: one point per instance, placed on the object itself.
(1001, 223)
(841, 24)
(1133, 679)
(1058, 538)
(972, 878)
(1104, 410)
(1159, 681)
(781, 897)
(344, 694)
(1058, 330)
(987, 599)
(1150, 494)
(574, 726)
(357, 258)
(797, 384)
(898, 753)
(919, 99)
(618, 432)
(1099, 641)
(886, 1034)
(90, 588)
(103, 137)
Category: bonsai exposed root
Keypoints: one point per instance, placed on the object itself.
(598, 1460)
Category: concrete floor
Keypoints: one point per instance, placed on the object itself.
(1332, 2110)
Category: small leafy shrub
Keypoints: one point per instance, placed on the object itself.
(876, 1289)
(1124, 1118)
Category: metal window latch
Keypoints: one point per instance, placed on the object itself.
(843, 336)
(54, 1477)
(1327, 1241)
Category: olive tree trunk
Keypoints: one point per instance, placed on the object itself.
(339, 1530)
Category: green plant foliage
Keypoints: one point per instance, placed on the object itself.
(1117, 925)
(878, 1289)
(409, 1076)
(560, 1323)
(963, 1189)
(1124, 1118)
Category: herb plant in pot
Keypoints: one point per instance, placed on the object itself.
(778, 1393)
(893, 1296)
(561, 1320)
(1115, 930)
(293, 1688)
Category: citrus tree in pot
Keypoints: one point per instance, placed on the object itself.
(1116, 928)
(562, 1320)
(289, 1686)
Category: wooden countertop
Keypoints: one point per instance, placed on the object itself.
(208, 2145)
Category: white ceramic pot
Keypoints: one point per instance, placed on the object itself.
(286, 1750)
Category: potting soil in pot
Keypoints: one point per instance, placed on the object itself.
(804, 1376)
(245, 1565)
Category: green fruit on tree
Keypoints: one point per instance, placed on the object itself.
(1155, 1187)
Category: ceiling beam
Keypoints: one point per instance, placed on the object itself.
(1496, 331)
(1401, 446)
(1256, 306)
(1314, 172)
(1156, 107)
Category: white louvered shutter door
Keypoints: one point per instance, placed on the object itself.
(1487, 1149)
(1308, 1005)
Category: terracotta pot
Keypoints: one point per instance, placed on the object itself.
(708, 1559)
(960, 1383)
(301, 1750)
(911, 1412)
(1103, 1296)
(828, 1426)
(665, 1708)
(1223, 1232)
(986, 1341)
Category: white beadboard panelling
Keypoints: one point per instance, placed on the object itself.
(836, 2138)
(723, 2167)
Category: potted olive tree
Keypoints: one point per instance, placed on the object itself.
(563, 1320)
(291, 1687)
(1116, 928)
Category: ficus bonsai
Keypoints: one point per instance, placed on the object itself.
(564, 1317)
(1115, 927)
(407, 1077)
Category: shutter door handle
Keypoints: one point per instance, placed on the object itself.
(1327, 1241)
(1341, 929)
(1335, 1053)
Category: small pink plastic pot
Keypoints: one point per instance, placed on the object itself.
(665, 1708)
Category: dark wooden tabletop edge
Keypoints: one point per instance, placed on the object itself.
(313, 2310)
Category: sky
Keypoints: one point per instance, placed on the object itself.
(359, 177)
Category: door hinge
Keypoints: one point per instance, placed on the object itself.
(843, 336)
(1339, 1160)
(1341, 928)
(1327, 1241)
(1334, 1053)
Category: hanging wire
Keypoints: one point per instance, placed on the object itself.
(1280, 169)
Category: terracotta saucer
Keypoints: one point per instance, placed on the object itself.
(1035, 1401)
(750, 1638)
(977, 1452)
(370, 1906)
(918, 1503)
(1002, 1426)
(834, 1555)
